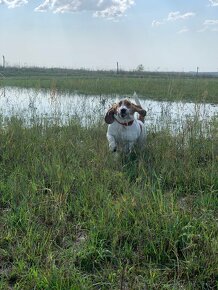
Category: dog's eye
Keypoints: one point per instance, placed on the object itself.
(120, 103)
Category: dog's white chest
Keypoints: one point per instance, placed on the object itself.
(124, 133)
(127, 133)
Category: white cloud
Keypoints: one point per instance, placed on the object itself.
(183, 30)
(156, 23)
(13, 3)
(214, 2)
(173, 16)
(209, 24)
(100, 8)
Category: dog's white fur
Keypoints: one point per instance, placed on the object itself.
(126, 131)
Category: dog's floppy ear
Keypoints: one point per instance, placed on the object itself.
(138, 109)
(109, 117)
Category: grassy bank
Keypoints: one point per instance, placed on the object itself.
(74, 217)
(157, 86)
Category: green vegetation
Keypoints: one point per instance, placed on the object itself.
(157, 86)
(74, 217)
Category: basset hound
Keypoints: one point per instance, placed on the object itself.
(124, 130)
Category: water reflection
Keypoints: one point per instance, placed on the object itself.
(31, 104)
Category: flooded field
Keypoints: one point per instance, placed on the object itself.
(33, 104)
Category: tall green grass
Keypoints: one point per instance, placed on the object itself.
(157, 86)
(73, 216)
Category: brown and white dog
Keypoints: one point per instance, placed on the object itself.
(124, 130)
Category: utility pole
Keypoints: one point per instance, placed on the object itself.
(197, 70)
(117, 67)
(3, 63)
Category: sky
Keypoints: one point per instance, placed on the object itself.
(162, 35)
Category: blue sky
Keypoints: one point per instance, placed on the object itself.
(165, 35)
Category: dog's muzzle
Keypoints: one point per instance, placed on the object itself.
(123, 112)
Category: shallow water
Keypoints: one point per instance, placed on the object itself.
(31, 104)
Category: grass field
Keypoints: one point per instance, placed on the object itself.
(157, 86)
(74, 217)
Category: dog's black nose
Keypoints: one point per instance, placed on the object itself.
(123, 111)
